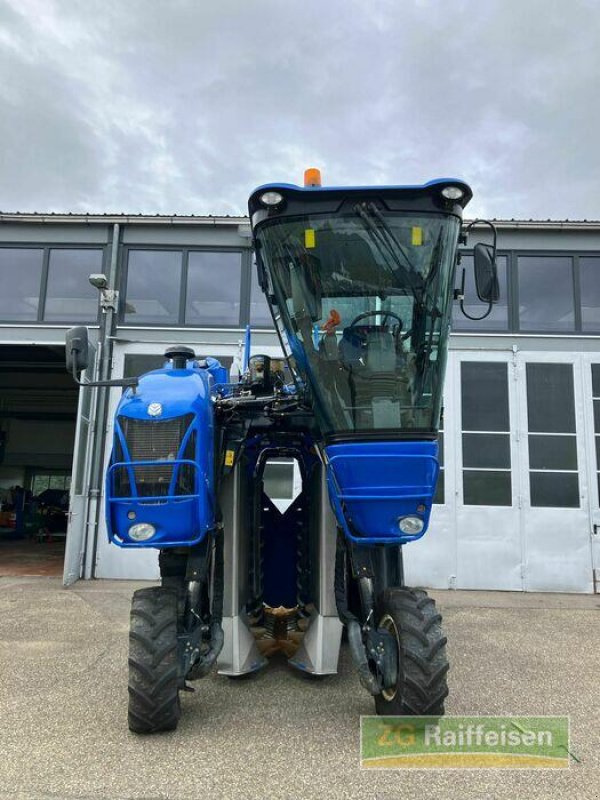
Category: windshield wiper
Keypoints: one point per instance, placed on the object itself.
(386, 249)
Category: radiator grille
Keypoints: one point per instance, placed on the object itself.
(156, 440)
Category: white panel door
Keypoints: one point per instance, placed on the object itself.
(554, 483)
(489, 548)
(591, 394)
(431, 561)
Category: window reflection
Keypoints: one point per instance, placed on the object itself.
(153, 286)
(70, 296)
(546, 295)
(20, 280)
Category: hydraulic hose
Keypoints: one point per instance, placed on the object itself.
(207, 660)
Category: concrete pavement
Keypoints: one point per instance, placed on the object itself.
(63, 701)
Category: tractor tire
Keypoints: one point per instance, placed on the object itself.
(421, 687)
(153, 668)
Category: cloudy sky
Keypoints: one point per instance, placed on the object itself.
(184, 106)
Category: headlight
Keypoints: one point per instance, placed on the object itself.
(452, 192)
(141, 532)
(271, 198)
(411, 525)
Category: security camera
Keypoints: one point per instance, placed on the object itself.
(99, 280)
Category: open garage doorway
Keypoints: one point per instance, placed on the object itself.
(38, 410)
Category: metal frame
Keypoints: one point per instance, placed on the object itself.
(43, 291)
(185, 250)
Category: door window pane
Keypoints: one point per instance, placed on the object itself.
(153, 287)
(20, 281)
(550, 398)
(551, 410)
(486, 456)
(546, 301)
(497, 320)
(485, 450)
(552, 452)
(484, 396)
(554, 489)
(489, 488)
(589, 272)
(213, 290)
(70, 297)
(259, 309)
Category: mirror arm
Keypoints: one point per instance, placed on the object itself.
(483, 222)
(128, 382)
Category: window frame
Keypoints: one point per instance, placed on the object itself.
(43, 290)
(185, 250)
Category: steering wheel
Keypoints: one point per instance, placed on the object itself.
(380, 313)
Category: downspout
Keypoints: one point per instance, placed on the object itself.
(108, 308)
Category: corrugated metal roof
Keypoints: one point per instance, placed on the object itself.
(227, 219)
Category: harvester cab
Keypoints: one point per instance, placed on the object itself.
(360, 283)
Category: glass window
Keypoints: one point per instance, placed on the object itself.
(498, 317)
(260, 316)
(153, 287)
(550, 398)
(484, 396)
(70, 297)
(213, 289)
(20, 280)
(489, 488)
(546, 300)
(589, 271)
(553, 478)
(487, 477)
(554, 489)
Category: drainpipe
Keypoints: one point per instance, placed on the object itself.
(109, 299)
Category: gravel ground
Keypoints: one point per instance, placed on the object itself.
(279, 734)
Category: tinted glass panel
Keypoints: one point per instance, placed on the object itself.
(259, 310)
(546, 300)
(486, 450)
(589, 270)
(439, 492)
(597, 416)
(552, 452)
(70, 296)
(441, 447)
(486, 488)
(484, 396)
(497, 320)
(550, 399)
(153, 287)
(213, 290)
(596, 380)
(20, 280)
(554, 489)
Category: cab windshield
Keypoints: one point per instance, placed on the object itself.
(364, 300)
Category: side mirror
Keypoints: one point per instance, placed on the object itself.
(76, 342)
(486, 273)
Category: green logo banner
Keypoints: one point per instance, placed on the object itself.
(464, 742)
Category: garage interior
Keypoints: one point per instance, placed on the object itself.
(38, 409)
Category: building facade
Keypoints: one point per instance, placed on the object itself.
(518, 503)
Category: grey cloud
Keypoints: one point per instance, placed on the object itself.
(183, 107)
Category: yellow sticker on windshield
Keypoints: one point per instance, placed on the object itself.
(309, 238)
(417, 236)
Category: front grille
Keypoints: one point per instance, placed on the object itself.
(155, 440)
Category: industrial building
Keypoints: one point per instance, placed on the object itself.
(518, 503)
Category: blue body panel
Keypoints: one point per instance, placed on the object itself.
(266, 187)
(179, 519)
(373, 484)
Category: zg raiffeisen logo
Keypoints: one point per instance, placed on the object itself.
(465, 742)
